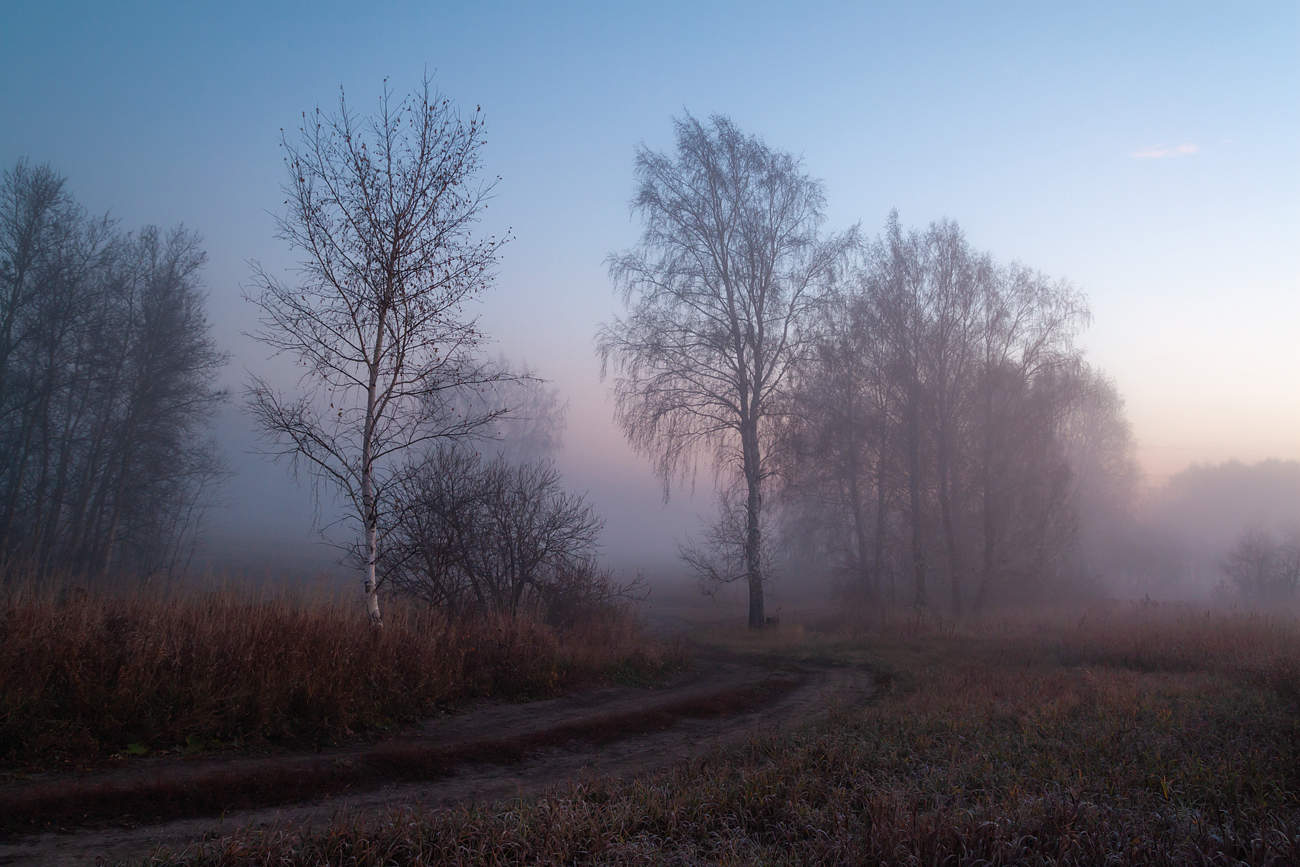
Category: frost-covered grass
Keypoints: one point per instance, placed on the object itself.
(1120, 737)
(91, 677)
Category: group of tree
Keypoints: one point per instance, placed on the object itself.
(917, 411)
(107, 371)
(943, 436)
(1215, 502)
(920, 412)
(904, 413)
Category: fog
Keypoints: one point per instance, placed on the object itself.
(265, 523)
(1080, 381)
(1195, 519)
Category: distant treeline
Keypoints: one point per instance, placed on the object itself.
(1232, 529)
(107, 373)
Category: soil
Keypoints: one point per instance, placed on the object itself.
(490, 752)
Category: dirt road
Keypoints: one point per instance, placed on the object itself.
(490, 752)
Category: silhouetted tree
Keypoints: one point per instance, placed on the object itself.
(532, 426)
(1023, 388)
(729, 267)
(383, 210)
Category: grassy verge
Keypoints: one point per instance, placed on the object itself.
(1118, 738)
(88, 679)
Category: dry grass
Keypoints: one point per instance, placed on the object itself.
(88, 678)
(1121, 737)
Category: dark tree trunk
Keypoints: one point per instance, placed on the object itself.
(753, 513)
(988, 505)
(914, 495)
(866, 574)
(949, 524)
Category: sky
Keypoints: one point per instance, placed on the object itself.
(1148, 152)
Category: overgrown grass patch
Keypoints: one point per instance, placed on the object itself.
(89, 677)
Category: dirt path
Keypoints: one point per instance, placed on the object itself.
(491, 752)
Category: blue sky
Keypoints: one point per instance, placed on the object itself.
(1147, 152)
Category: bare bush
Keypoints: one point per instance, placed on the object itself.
(475, 536)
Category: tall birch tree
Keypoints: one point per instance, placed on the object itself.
(729, 267)
(383, 210)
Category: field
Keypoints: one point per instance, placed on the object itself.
(1124, 734)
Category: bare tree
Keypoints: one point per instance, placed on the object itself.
(383, 210)
(894, 294)
(722, 555)
(729, 266)
(1098, 445)
(533, 426)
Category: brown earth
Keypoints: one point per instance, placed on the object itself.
(490, 752)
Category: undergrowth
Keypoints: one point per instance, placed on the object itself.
(88, 677)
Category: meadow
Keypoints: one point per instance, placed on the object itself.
(1124, 734)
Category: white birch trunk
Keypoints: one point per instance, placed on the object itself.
(369, 508)
(371, 584)
(370, 519)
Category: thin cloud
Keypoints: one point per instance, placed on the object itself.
(1163, 152)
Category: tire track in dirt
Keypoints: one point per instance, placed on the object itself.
(492, 752)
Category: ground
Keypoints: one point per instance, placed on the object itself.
(492, 751)
(1119, 733)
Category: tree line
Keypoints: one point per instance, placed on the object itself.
(107, 371)
(904, 415)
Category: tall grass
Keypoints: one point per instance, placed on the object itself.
(89, 676)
